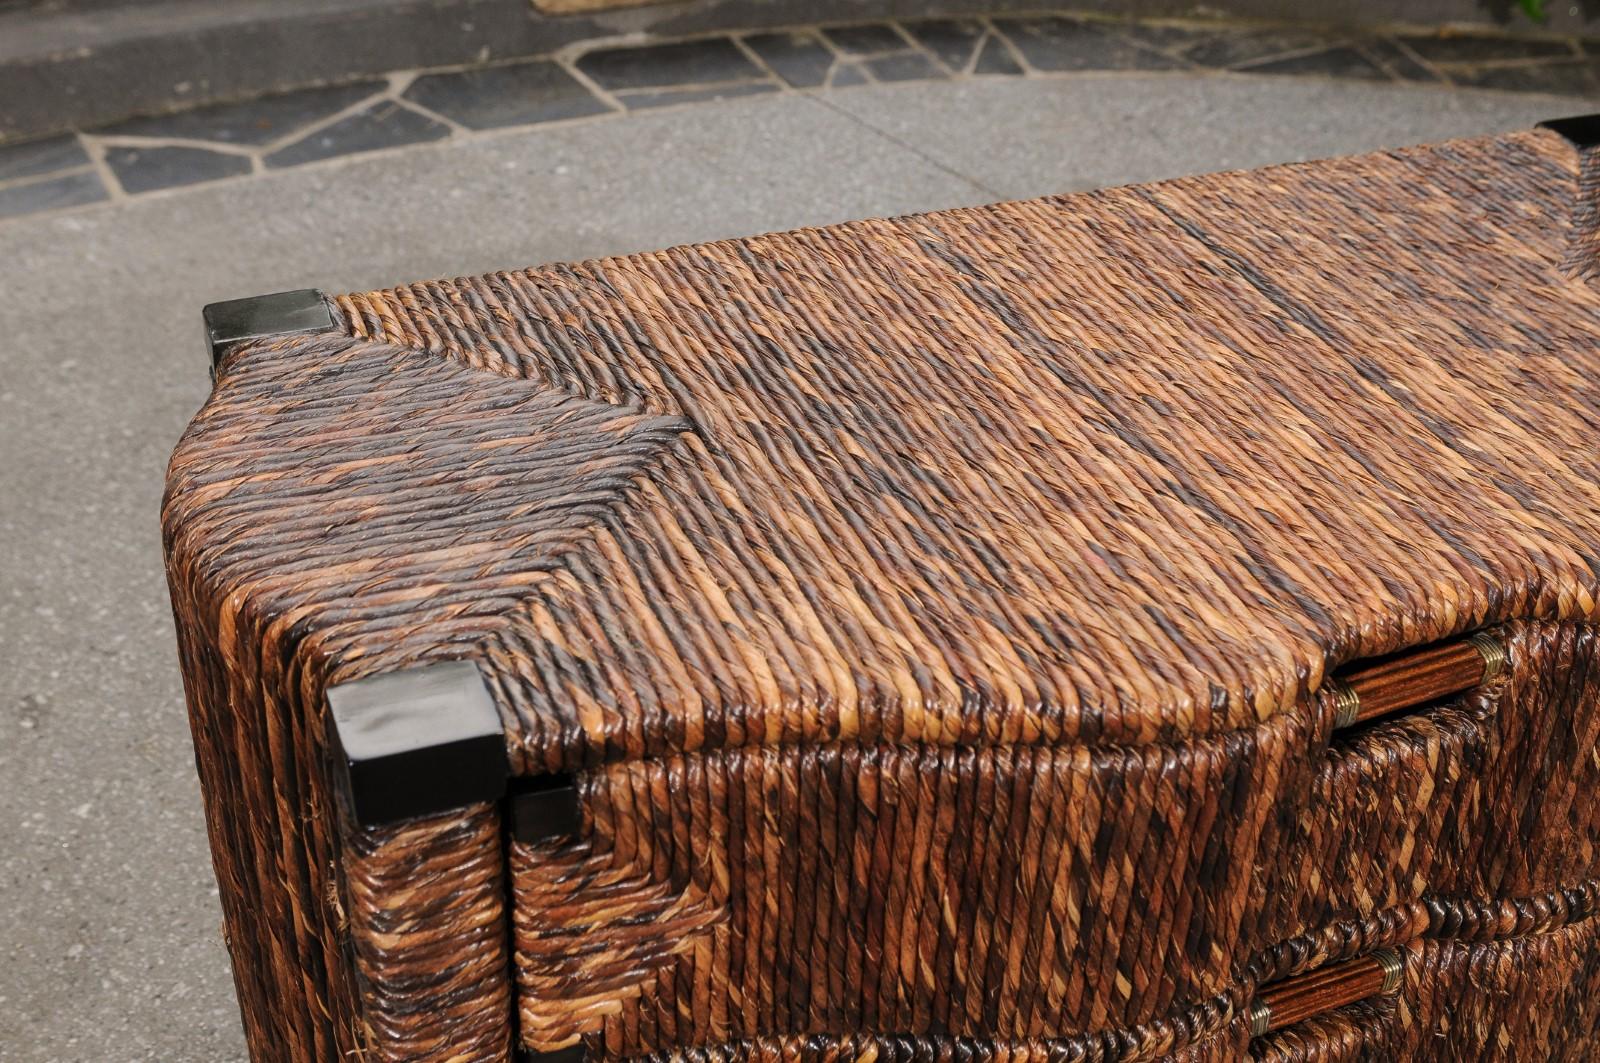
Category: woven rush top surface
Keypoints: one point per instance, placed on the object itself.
(1121, 467)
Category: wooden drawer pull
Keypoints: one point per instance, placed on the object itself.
(1324, 989)
(1369, 691)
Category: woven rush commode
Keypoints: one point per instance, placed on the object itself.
(1151, 624)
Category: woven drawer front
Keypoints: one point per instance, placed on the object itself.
(784, 899)
(1485, 795)
(1005, 893)
(1534, 997)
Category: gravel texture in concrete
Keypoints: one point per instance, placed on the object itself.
(109, 922)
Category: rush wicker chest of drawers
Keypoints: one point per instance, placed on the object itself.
(1150, 624)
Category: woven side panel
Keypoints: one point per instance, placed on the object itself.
(274, 839)
(427, 907)
(1019, 893)
(410, 502)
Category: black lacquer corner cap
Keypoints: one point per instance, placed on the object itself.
(419, 741)
(261, 316)
(1582, 130)
(541, 807)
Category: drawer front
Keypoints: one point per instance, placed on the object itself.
(1016, 893)
(1089, 903)
(1534, 997)
(1494, 793)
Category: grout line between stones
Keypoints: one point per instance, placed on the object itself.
(1011, 49)
(294, 136)
(125, 140)
(1416, 57)
(49, 175)
(569, 63)
(108, 178)
(761, 64)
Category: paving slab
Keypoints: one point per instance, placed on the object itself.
(110, 942)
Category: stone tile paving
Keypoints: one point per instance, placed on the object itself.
(596, 79)
(257, 122)
(51, 193)
(799, 59)
(499, 96)
(1055, 45)
(385, 124)
(36, 157)
(145, 169)
(953, 42)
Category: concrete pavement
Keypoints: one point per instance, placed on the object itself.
(110, 944)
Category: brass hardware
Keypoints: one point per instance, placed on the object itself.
(1260, 1018)
(1346, 702)
(1393, 968)
(1493, 652)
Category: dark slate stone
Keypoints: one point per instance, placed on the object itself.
(908, 66)
(665, 65)
(1053, 43)
(953, 40)
(253, 122)
(847, 75)
(636, 101)
(1397, 60)
(72, 190)
(1237, 49)
(147, 169)
(38, 157)
(1472, 49)
(1576, 78)
(996, 58)
(873, 39)
(505, 95)
(1343, 62)
(384, 125)
(800, 59)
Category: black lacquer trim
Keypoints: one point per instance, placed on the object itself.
(541, 807)
(1582, 130)
(261, 316)
(417, 742)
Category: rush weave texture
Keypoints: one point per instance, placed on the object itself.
(935, 614)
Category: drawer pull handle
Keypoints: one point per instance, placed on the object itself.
(1325, 989)
(1369, 691)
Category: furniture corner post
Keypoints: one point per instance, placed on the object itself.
(420, 764)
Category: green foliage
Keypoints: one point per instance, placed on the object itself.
(1534, 9)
